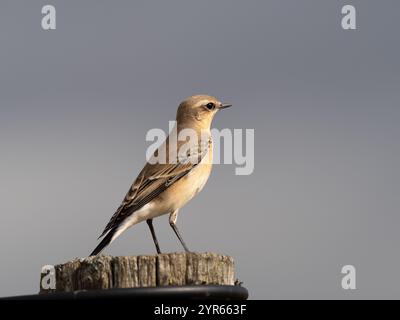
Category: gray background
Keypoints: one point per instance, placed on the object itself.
(76, 103)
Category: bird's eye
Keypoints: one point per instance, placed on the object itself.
(210, 106)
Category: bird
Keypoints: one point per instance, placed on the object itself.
(164, 187)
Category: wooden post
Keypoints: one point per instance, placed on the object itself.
(107, 272)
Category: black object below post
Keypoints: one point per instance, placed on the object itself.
(196, 292)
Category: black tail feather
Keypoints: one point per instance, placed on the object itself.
(104, 243)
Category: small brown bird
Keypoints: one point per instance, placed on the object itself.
(165, 187)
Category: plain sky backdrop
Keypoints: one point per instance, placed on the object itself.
(76, 104)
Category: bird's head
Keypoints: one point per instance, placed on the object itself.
(199, 111)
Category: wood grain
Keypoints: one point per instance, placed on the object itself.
(107, 272)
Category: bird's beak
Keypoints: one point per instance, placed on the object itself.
(224, 105)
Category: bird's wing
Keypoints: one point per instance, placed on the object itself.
(153, 180)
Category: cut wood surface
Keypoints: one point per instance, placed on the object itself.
(107, 272)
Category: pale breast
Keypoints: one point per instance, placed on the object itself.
(186, 188)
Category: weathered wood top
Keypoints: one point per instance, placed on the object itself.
(107, 272)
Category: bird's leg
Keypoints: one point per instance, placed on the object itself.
(172, 222)
(153, 234)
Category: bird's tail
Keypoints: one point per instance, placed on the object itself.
(105, 242)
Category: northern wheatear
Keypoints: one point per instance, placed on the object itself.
(165, 187)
